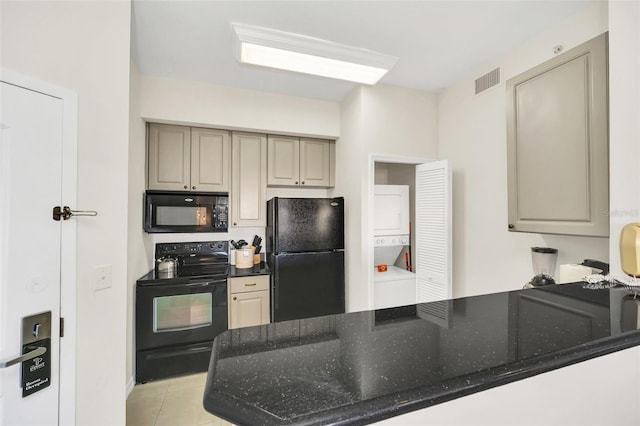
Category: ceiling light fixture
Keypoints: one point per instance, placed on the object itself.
(308, 55)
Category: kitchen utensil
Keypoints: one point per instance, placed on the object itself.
(234, 244)
(244, 258)
(242, 243)
(167, 267)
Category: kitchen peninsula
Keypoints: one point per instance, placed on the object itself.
(503, 358)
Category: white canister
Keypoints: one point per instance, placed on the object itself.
(244, 258)
(232, 256)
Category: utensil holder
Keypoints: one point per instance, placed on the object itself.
(244, 258)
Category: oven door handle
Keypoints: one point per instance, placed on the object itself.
(205, 283)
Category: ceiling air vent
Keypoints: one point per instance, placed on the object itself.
(490, 79)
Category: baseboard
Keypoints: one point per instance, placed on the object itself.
(130, 386)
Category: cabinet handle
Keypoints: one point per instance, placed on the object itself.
(193, 187)
(303, 182)
(296, 182)
(511, 226)
(250, 285)
(234, 223)
(235, 298)
(186, 187)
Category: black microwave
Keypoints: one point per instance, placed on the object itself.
(185, 212)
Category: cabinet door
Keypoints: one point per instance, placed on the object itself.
(315, 162)
(169, 157)
(249, 179)
(433, 263)
(283, 161)
(558, 144)
(248, 309)
(210, 156)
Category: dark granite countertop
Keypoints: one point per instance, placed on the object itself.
(259, 269)
(362, 367)
(150, 278)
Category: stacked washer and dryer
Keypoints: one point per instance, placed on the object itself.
(394, 284)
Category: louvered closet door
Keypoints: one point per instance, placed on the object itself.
(433, 232)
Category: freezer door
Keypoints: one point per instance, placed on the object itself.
(305, 224)
(307, 285)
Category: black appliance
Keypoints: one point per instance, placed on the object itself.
(185, 212)
(178, 318)
(305, 251)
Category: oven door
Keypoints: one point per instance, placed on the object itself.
(182, 313)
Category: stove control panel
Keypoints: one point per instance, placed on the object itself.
(201, 247)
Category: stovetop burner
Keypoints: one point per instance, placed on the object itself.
(196, 259)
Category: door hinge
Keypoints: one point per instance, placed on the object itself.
(61, 327)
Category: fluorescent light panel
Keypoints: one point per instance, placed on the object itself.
(294, 52)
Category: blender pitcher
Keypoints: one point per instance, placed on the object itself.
(544, 266)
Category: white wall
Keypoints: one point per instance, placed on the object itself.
(472, 134)
(194, 103)
(140, 245)
(376, 121)
(84, 46)
(624, 121)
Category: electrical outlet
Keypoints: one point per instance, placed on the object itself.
(102, 277)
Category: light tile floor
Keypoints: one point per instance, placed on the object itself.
(171, 402)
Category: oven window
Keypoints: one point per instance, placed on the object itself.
(182, 312)
(182, 216)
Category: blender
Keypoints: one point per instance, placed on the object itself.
(544, 266)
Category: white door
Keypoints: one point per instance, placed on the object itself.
(433, 232)
(30, 186)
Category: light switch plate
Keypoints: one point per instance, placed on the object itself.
(102, 277)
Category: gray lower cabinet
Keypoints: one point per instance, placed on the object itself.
(181, 158)
(300, 162)
(248, 183)
(248, 301)
(557, 128)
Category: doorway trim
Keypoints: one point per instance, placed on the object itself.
(68, 262)
(368, 223)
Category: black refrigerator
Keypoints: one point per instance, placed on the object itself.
(305, 251)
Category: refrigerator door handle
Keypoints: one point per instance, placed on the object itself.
(276, 292)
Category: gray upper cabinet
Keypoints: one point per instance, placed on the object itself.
(300, 162)
(557, 130)
(188, 159)
(283, 156)
(210, 159)
(316, 162)
(249, 171)
(169, 157)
